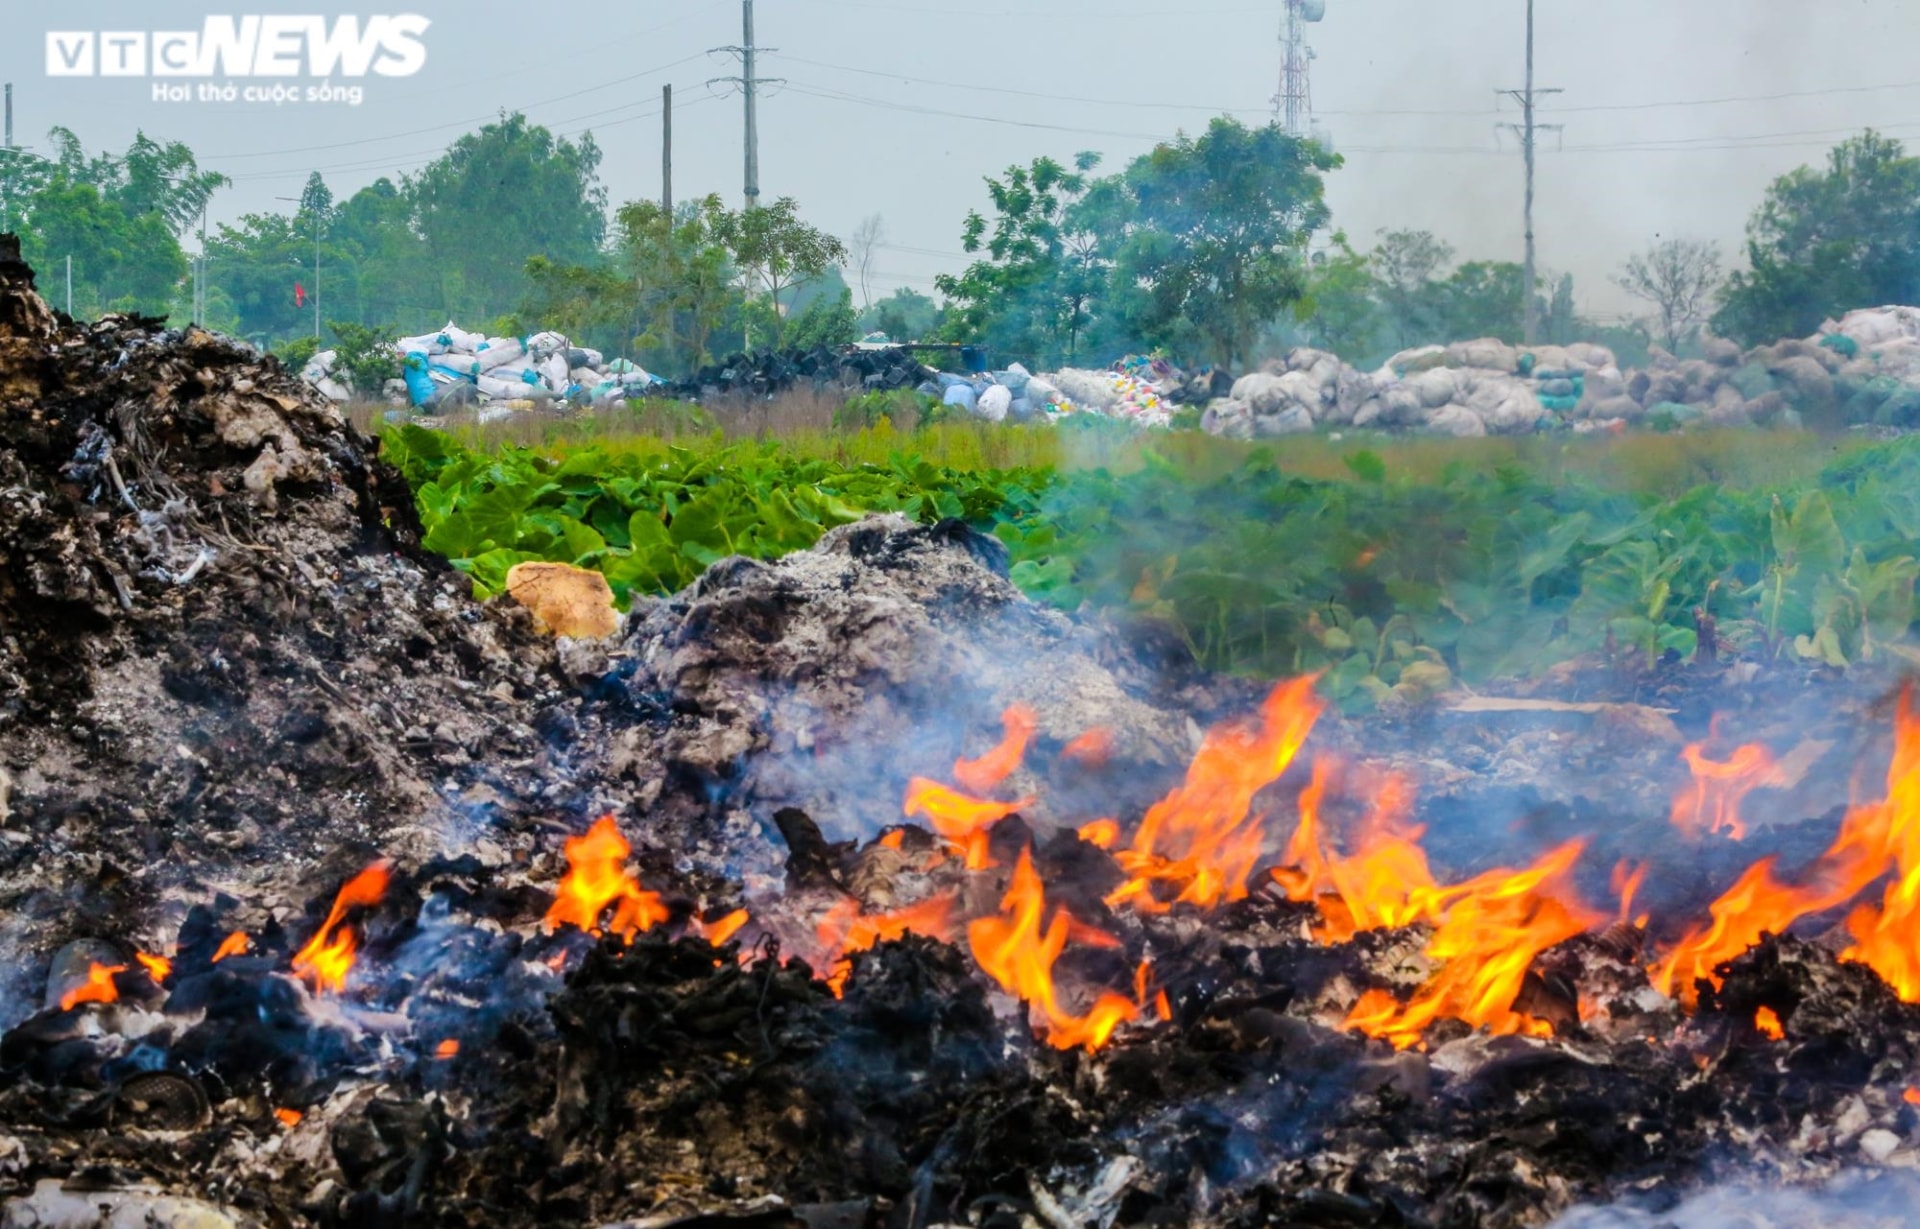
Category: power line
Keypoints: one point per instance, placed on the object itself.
(1736, 98)
(459, 123)
(834, 95)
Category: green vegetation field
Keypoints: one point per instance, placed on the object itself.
(1398, 566)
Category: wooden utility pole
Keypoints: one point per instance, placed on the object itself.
(1528, 131)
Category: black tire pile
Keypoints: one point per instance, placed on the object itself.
(743, 376)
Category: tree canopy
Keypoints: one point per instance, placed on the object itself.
(1827, 241)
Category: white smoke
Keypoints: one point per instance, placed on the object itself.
(1855, 1200)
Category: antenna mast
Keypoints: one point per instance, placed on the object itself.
(1293, 105)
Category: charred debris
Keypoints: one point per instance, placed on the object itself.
(852, 890)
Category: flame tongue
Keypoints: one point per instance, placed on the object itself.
(597, 879)
(1199, 839)
(98, 988)
(1712, 802)
(845, 929)
(1386, 881)
(1874, 839)
(328, 956)
(997, 765)
(1491, 928)
(1016, 950)
(959, 817)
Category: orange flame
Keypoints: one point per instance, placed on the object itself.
(328, 956)
(1385, 882)
(1100, 833)
(447, 1048)
(1091, 749)
(288, 1118)
(958, 817)
(1911, 1096)
(1491, 928)
(845, 930)
(235, 944)
(1199, 839)
(1768, 1023)
(1626, 883)
(1874, 838)
(719, 931)
(1884, 937)
(98, 988)
(895, 839)
(1015, 950)
(997, 765)
(159, 968)
(597, 879)
(1712, 802)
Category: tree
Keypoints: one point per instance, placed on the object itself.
(1407, 265)
(867, 237)
(150, 178)
(1482, 298)
(1679, 277)
(256, 263)
(904, 315)
(1824, 242)
(681, 273)
(121, 261)
(1214, 242)
(1342, 313)
(825, 322)
(774, 247)
(1033, 290)
(499, 197)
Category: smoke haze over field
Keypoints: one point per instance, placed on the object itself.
(1677, 115)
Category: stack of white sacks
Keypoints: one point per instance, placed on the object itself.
(455, 367)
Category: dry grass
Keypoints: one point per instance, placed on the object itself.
(803, 421)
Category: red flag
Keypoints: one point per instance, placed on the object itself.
(299, 295)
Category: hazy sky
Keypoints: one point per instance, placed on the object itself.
(1677, 112)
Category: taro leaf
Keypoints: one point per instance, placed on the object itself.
(1050, 582)
(1682, 640)
(610, 520)
(1551, 554)
(702, 526)
(455, 536)
(1810, 538)
(1885, 592)
(1824, 646)
(489, 570)
(577, 539)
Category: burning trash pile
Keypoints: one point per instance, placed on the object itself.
(851, 889)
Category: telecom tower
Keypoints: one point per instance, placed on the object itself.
(1293, 105)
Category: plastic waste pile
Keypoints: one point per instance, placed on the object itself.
(1483, 387)
(452, 368)
(825, 368)
(1140, 390)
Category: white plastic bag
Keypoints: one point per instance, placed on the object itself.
(499, 351)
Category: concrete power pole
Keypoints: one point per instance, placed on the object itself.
(749, 82)
(6, 187)
(753, 118)
(666, 150)
(1528, 132)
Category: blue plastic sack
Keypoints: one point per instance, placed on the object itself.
(419, 383)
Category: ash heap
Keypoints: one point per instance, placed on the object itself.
(855, 890)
